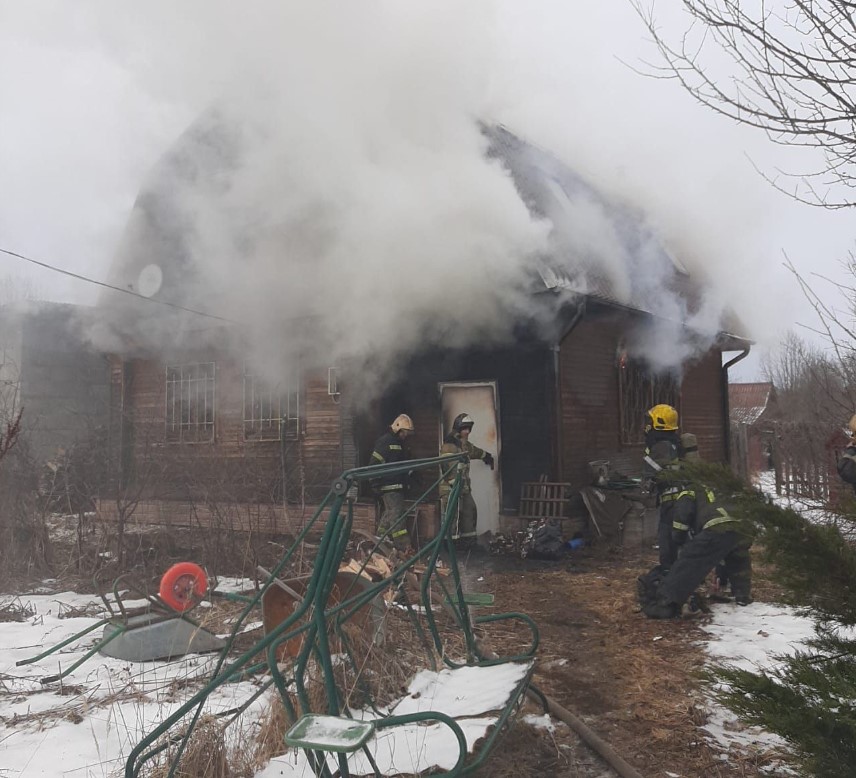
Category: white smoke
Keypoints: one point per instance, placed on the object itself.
(337, 171)
(332, 170)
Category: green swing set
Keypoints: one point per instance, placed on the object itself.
(319, 634)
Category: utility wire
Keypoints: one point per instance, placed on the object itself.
(116, 288)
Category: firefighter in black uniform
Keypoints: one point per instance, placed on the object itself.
(389, 489)
(662, 453)
(716, 535)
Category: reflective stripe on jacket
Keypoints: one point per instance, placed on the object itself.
(388, 450)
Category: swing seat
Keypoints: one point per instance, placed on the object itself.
(342, 735)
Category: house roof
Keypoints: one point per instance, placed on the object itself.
(749, 401)
(593, 236)
(599, 248)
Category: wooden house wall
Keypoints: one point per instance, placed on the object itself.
(590, 422)
(703, 406)
(589, 400)
(229, 467)
(338, 432)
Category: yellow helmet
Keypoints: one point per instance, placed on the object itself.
(663, 417)
(851, 425)
(402, 422)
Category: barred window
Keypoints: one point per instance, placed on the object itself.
(270, 411)
(639, 389)
(190, 402)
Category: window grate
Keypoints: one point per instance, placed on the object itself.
(270, 411)
(639, 389)
(190, 402)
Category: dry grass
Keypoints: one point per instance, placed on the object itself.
(634, 680)
(205, 756)
(12, 609)
(269, 740)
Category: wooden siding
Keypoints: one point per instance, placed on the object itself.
(237, 517)
(703, 406)
(229, 467)
(339, 432)
(322, 442)
(589, 400)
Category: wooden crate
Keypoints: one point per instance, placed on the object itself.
(544, 500)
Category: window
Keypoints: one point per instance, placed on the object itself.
(190, 402)
(639, 389)
(269, 411)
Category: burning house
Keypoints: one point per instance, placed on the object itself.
(214, 420)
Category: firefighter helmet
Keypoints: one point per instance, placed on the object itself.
(402, 422)
(462, 421)
(851, 425)
(663, 417)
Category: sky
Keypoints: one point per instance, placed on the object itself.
(93, 95)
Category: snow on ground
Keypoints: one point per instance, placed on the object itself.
(86, 726)
(812, 510)
(750, 638)
(466, 694)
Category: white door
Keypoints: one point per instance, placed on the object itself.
(479, 399)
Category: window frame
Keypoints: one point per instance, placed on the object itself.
(288, 405)
(653, 388)
(175, 399)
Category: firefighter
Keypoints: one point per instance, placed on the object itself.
(846, 464)
(662, 453)
(717, 535)
(457, 441)
(682, 498)
(677, 513)
(390, 489)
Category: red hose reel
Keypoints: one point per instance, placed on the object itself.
(183, 586)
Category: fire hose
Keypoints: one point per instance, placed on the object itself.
(587, 735)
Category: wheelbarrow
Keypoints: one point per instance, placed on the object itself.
(158, 630)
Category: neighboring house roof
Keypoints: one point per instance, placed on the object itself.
(748, 402)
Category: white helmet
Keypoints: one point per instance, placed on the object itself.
(402, 422)
(462, 421)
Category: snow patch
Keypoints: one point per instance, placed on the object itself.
(540, 722)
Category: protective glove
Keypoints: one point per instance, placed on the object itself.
(488, 460)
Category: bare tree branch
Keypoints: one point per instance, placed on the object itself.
(789, 71)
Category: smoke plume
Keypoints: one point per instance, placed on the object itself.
(329, 188)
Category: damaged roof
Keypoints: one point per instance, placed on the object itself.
(748, 402)
(593, 236)
(601, 249)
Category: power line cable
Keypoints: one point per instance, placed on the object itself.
(116, 288)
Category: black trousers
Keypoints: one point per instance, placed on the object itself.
(665, 535)
(701, 555)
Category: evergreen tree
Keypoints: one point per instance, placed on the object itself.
(810, 698)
